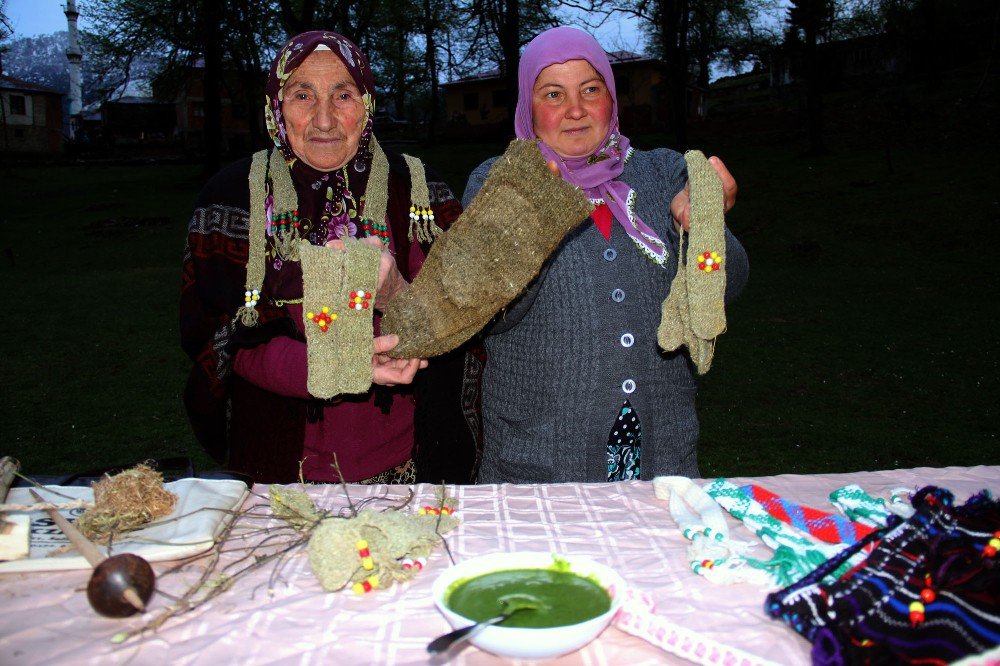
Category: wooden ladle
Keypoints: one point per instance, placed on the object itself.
(121, 585)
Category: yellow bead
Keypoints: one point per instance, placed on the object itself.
(995, 542)
(361, 544)
(358, 588)
(368, 564)
(715, 255)
(916, 607)
(374, 581)
(326, 310)
(310, 315)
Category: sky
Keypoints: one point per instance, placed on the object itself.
(40, 17)
(37, 17)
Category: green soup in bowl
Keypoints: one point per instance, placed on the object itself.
(566, 601)
(543, 597)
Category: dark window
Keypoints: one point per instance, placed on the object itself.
(470, 101)
(500, 98)
(18, 105)
(622, 85)
(18, 133)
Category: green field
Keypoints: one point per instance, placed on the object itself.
(866, 339)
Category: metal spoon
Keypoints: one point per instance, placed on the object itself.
(511, 605)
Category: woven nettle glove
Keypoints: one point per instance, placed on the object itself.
(694, 313)
(488, 256)
(338, 299)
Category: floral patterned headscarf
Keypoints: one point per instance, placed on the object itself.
(330, 203)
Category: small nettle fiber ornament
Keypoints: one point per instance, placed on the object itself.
(370, 550)
(422, 226)
(488, 256)
(124, 502)
(694, 314)
(338, 286)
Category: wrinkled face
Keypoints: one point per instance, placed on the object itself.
(324, 112)
(571, 108)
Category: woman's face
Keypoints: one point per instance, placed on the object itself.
(324, 113)
(571, 108)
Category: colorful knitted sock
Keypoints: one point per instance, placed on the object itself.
(338, 299)
(824, 526)
(859, 506)
(712, 553)
(795, 554)
(694, 314)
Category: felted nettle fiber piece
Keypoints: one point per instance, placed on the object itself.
(488, 256)
(294, 507)
(388, 535)
(694, 313)
(339, 350)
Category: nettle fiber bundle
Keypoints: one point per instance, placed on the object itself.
(124, 502)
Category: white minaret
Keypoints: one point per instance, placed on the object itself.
(75, 56)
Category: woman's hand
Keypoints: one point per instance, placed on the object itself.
(390, 371)
(680, 207)
(390, 280)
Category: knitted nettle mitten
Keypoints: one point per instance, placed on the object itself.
(488, 256)
(338, 298)
(694, 313)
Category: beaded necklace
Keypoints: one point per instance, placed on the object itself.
(274, 214)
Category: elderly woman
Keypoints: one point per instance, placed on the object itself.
(575, 387)
(242, 317)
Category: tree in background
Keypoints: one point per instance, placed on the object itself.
(729, 33)
(811, 22)
(498, 29)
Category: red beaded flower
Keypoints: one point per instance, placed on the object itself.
(323, 319)
(709, 261)
(359, 300)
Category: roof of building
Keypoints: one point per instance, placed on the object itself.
(10, 83)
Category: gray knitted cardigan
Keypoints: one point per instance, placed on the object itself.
(564, 357)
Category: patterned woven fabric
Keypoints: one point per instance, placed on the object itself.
(881, 612)
(625, 445)
(824, 526)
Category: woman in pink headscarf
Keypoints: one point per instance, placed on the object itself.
(575, 387)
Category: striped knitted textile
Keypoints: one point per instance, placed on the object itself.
(795, 554)
(926, 594)
(824, 526)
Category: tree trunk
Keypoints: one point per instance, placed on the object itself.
(213, 139)
(510, 42)
(432, 72)
(673, 32)
(814, 94)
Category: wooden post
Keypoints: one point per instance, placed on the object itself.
(14, 529)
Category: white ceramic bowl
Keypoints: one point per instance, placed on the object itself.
(525, 643)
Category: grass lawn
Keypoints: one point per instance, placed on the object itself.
(866, 338)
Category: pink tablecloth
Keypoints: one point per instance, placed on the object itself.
(45, 618)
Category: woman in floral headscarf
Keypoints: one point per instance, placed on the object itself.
(575, 387)
(325, 180)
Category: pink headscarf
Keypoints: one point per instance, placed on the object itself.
(597, 173)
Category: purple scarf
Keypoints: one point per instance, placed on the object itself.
(595, 174)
